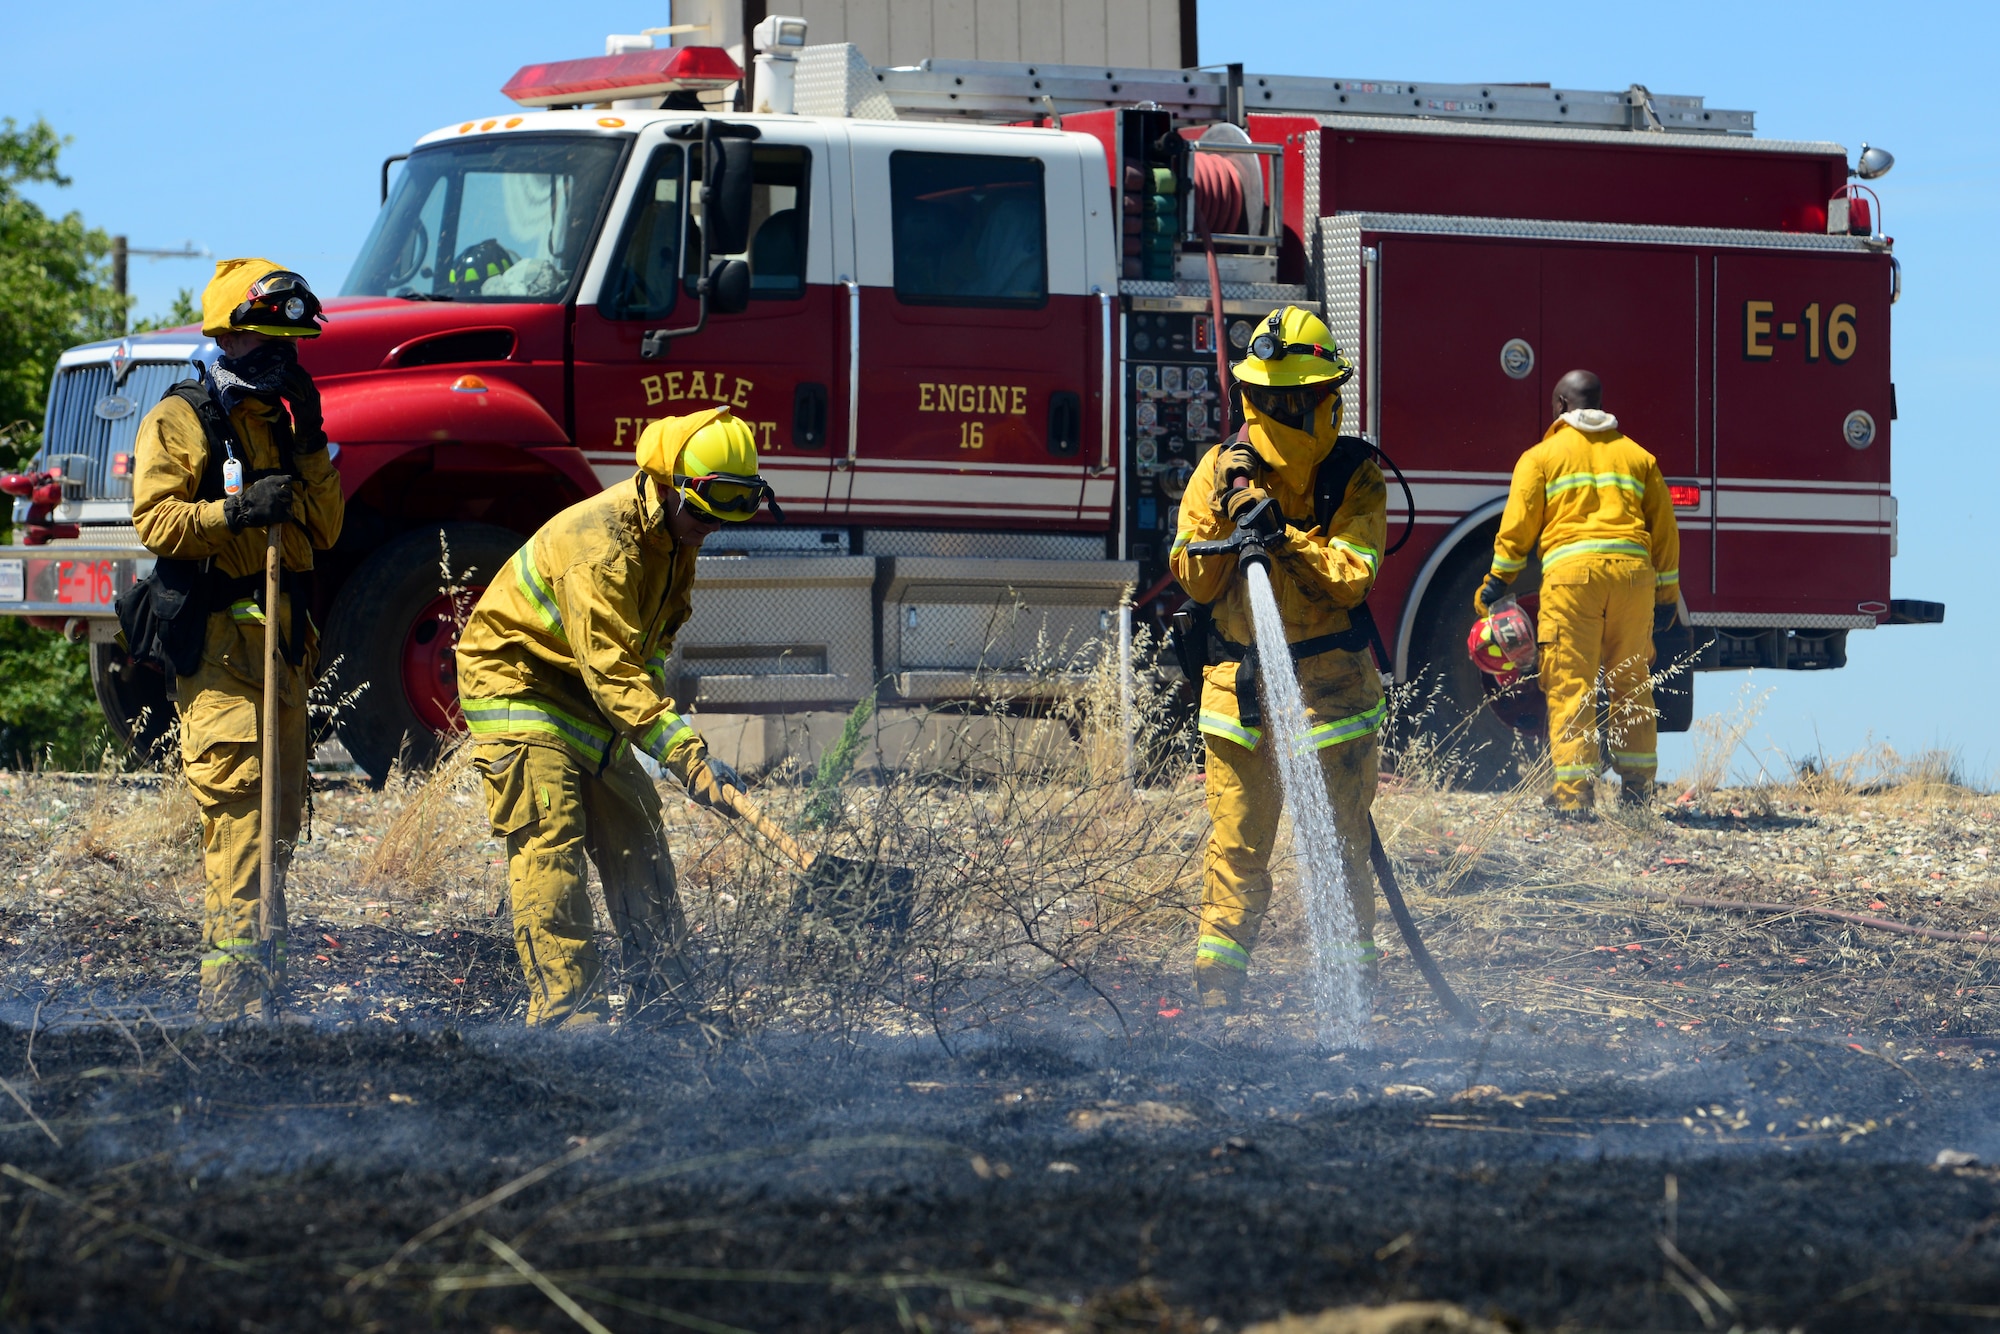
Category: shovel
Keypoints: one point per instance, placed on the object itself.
(847, 891)
(271, 895)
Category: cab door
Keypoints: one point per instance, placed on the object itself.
(979, 368)
(772, 365)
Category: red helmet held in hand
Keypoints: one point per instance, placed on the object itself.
(1502, 643)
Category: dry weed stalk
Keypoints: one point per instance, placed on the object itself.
(431, 826)
(1036, 864)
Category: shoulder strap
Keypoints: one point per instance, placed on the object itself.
(214, 426)
(1336, 470)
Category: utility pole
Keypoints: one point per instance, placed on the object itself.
(121, 258)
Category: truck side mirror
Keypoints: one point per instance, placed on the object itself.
(725, 195)
(728, 287)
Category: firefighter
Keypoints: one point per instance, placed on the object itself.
(1332, 503)
(562, 676)
(1596, 505)
(219, 461)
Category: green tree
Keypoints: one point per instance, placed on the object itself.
(55, 291)
(48, 712)
(186, 310)
(55, 283)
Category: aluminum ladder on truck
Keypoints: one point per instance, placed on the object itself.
(831, 78)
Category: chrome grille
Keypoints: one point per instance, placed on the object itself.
(82, 443)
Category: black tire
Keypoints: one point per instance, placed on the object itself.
(1483, 752)
(135, 703)
(370, 623)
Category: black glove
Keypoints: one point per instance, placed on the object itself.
(705, 780)
(1489, 593)
(308, 420)
(1665, 615)
(266, 501)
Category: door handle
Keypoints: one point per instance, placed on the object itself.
(853, 373)
(1065, 423)
(809, 406)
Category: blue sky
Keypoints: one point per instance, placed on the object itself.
(262, 131)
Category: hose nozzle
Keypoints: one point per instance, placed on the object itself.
(1259, 530)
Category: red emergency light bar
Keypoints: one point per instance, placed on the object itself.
(634, 74)
(1684, 497)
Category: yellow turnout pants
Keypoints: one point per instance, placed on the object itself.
(1597, 615)
(221, 716)
(1246, 795)
(554, 812)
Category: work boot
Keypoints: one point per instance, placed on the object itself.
(231, 993)
(594, 1015)
(1220, 988)
(1636, 793)
(1566, 813)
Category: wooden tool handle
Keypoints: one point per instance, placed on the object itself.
(271, 896)
(768, 827)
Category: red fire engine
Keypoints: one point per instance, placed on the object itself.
(967, 306)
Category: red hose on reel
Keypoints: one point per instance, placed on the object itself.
(1218, 194)
(1218, 207)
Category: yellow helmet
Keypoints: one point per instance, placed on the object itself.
(1293, 348)
(710, 457)
(257, 296)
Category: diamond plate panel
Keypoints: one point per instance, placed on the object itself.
(1339, 244)
(778, 630)
(1427, 224)
(1762, 620)
(1266, 294)
(1003, 636)
(945, 621)
(1309, 152)
(993, 546)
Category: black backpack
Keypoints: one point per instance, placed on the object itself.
(164, 617)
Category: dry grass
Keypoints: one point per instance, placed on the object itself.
(1050, 889)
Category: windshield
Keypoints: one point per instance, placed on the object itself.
(488, 220)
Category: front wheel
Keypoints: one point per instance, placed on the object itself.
(135, 701)
(392, 675)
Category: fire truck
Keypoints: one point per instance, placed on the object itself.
(981, 315)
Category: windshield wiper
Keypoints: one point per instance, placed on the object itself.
(411, 294)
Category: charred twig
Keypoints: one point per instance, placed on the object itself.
(672, 1317)
(1697, 1287)
(15, 1094)
(167, 1038)
(816, 1148)
(109, 1219)
(379, 1274)
(564, 1302)
(1810, 910)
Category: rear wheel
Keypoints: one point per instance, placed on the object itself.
(135, 702)
(391, 638)
(1468, 740)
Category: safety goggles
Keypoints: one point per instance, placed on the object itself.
(280, 295)
(729, 496)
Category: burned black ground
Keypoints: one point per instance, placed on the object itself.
(263, 1179)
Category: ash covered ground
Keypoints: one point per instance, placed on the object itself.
(1673, 1117)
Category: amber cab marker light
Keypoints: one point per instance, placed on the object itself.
(472, 384)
